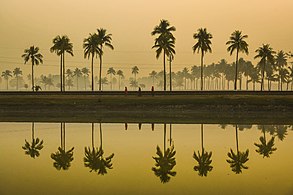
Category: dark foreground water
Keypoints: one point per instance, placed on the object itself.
(73, 158)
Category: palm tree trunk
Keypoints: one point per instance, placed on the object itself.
(202, 137)
(92, 72)
(237, 139)
(247, 83)
(170, 134)
(84, 83)
(111, 83)
(170, 74)
(33, 79)
(263, 75)
(63, 73)
(236, 70)
(164, 70)
(100, 81)
(7, 83)
(16, 82)
(33, 130)
(101, 136)
(61, 80)
(164, 137)
(201, 71)
(119, 82)
(93, 140)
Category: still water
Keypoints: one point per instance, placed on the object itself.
(74, 158)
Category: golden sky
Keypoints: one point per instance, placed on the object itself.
(32, 22)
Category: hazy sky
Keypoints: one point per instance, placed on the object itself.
(32, 22)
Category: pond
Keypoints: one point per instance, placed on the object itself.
(145, 158)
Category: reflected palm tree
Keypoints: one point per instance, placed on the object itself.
(34, 148)
(62, 158)
(165, 161)
(237, 160)
(281, 131)
(94, 158)
(265, 148)
(203, 159)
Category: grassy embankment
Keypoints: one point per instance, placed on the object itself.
(177, 109)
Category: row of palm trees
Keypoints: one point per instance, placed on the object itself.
(165, 160)
(164, 44)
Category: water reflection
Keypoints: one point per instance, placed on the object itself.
(266, 148)
(237, 160)
(62, 158)
(165, 161)
(203, 159)
(94, 158)
(33, 149)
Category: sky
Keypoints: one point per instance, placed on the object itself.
(32, 22)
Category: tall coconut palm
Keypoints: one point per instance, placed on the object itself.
(92, 49)
(164, 42)
(203, 159)
(266, 55)
(33, 149)
(94, 158)
(134, 71)
(237, 42)
(121, 76)
(77, 73)
(35, 57)
(104, 39)
(237, 160)
(85, 72)
(6, 74)
(62, 158)
(62, 45)
(281, 62)
(111, 71)
(17, 72)
(202, 45)
(165, 161)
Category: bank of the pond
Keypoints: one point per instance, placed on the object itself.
(185, 108)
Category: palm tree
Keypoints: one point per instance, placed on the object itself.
(94, 158)
(104, 39)
(153, 74)
(281, 62)
(17, 72)
(134, 70)
(92, 49)
(121, 76)
(266, 54)
(133, 84)
(6, 74)
(104, 82)
(237, 43)
(36, 58)
(203, 44)
(164, 42)
(62, 45)
(77, 73)
(111, 72)
(165, 162)
(33, 150)
(171, 58)
(85, 72)
(62, 157)
(203, 159)
(237, 160)
(265, 148)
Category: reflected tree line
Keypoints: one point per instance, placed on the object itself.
(165, 158)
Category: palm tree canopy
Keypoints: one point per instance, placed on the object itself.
(265, 52)
(104, 38)
(17, 72)
(62, 158)
(134, 70)
(165, 43)
(236, 41)
(85, 71)
(120, 73)
(237, 160)
(91, 46)
(33, 149)
(61, 44)
(33, 54)
(164, 29)
(165, 162)
(203, 41)
(6, 74)
(265, 148)
(204, 162)
(281, 59)
(111, 70)
(77, 72)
